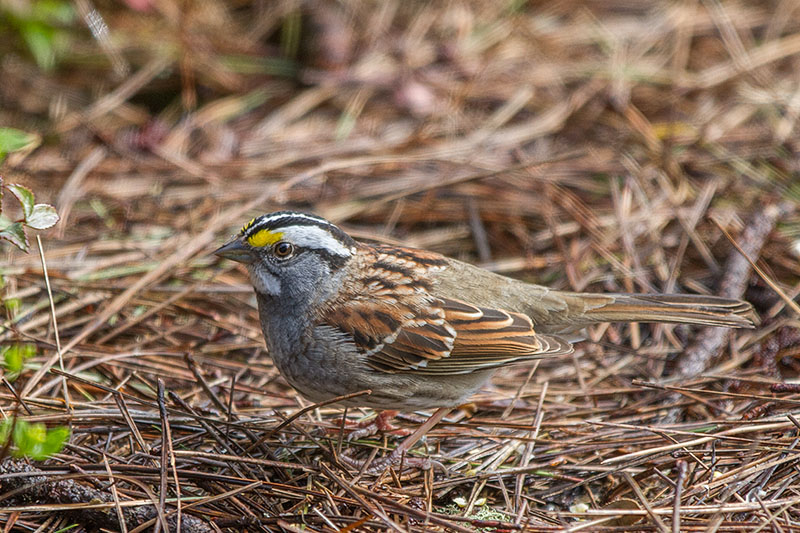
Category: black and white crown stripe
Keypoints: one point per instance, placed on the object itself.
(304, 230)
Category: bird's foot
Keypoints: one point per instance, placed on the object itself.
(381, 423)
(392, 460)
(400, 454)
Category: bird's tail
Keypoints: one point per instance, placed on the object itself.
(676, 308)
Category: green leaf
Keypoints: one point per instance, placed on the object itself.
(40, 39)
(43, 216)
(28, 350)
(12, 139)
(25, 197)
(65, 529)
(5, 430)
(55, 440)
(53, 11)
(21, 438)
(12, 360)
(15, 234)
(33, 440)
(36, 442)
(12, 305)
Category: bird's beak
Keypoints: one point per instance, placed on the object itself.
(235, 251)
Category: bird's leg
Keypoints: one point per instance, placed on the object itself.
(420, 432)
(382, 422)
(399, 453)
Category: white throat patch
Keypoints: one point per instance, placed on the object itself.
(263, 281)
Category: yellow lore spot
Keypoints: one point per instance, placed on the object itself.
(264, 237)
(248, 225)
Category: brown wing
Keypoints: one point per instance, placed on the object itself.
(484, 338)
(446, 337)
(389, 302)
(400, 327)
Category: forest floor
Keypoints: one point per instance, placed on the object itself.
(595, 146)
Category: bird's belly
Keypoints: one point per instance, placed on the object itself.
(402, 392)
(321, 374)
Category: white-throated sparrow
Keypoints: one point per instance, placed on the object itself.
(416, 328)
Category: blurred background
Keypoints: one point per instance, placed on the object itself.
(605, 145)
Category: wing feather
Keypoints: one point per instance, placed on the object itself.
(400, 327)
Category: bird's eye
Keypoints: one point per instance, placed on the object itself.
(283, 249)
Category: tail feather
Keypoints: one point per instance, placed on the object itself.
(675, 308)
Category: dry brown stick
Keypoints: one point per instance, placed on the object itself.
(59, 352)
(297, 414)
(226, 445)
(192, 364)
(420, 515)
(115, 495)
(166, 444)
(681, 466)
(35, 486)
(17, 397)
(352, 491)
(698, 356)
(643, 499)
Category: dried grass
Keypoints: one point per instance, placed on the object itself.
(593, 146)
